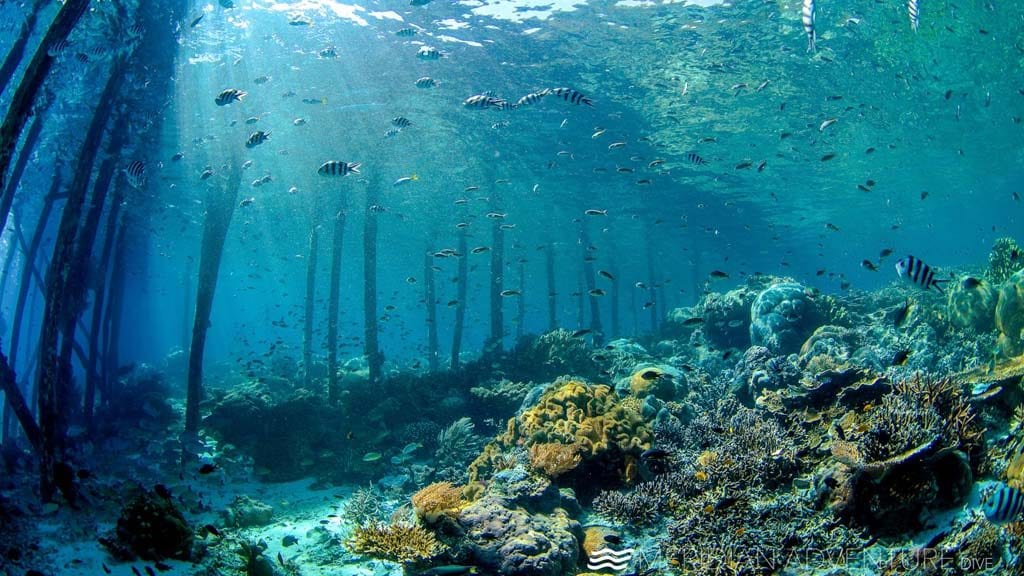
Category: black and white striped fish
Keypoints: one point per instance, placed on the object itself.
(807, 17)
(531, 98)
(135, 172)
(912, 11)
(406, 32)
(257, 138)
(401, 122)
(694, 158)
(230, 95)
(570, 95)
(338, 168)
(1006, 505)
(428, 53)
(426, 82)
(481, 101)
(57, 48)
(914, 270)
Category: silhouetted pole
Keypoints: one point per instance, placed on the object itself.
(307, 327)
(521, 300)
(614, 292)
(187, 309)
(62, 282)
(591, 284)
(374, 357)
(20, 107)
(115, 306)
(430, 299)
(97, 374)
(549, 267)
(333, 303)
(494, 342)
(460, 299)
(8, 381)
(17, 51)
(220, 207)
(581, 294)
(650, 288)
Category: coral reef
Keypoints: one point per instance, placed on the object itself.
(573, 413)
(397, 542)
(456, 446)
(727, 317)
(658, 381)
(1005, 259)
(254, 562)
(782, 317)
(436, 500)
(554, 459)
(971, 303)
(152, 528)
(501, 396)
(759, 370)
(245, 511)
(1010, 316)
(363, 506)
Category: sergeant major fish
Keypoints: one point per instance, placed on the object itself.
(913, 14)
(257, 138)
(914, 270)
(338, 168)
(230, 95)
(807, 17)
(1005, 505)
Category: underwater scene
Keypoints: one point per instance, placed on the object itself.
(511, 287)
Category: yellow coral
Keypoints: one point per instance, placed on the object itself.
(554, 459)
(435, 500)
(394, 542)
(571, 413)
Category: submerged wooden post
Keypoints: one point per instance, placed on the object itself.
(651, 297)
(430, 299)
(17, 50)
(591, 285)
(549, 268)
(374, 357)
(493, 345)
(334, 297)
(115, 306)
(16, 401)
(460, 299)
(307, 326)
(54, 377)
(20, 107)
(521, 300)
(220, 207)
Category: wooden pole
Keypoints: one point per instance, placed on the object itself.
(549, 267)
(494, 342)
(591, 284)
(374, 357)
(460, 299)
(307, 326)
(430, 299)
(333, 304)
(17, 50)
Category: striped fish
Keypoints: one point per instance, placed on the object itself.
(569, 95)
(913, 13)
(481, 101)
(914, 270)
(530, 99)
(230, 95)
(338, 168)
(807, 17)
(426, 82)
(135, 172)
(401, 122)
(406, 32)
(257, 138)
(1006, 505)
(428, 53)
(694, 158)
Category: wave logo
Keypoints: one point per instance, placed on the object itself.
(608, 559)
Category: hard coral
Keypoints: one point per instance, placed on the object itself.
(782, 317)
(152, 528)
(972, 305)
(1010, 316)
(1004, 260)
(436, 500)
(397, 542)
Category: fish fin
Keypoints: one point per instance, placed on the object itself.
(936, 283)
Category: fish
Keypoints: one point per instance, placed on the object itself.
(207, 468)
(863, 188)
(150, 571)
(289, 540)
(135, 571)
(425, 82)
(606, 274)
(428, 53)
(885, 253)
(832, 227)
(405, 32)
(530, 99)
(655, 163)
(448, 569)
(1005, 505)
(256, 138)
(299, 122)
(570, 95)
(405, 180)
(744, 165)
(410, 280)
(654, 453)
(106, 569)
(230, 95)
(613, 539)
(912, 13)
(581, 332)
(868, 265)
(694, 158)
(761, 165)
(828, 156)
(252, 120)
(261, 80)
(596, 292)
(970, 283)
(598, 133)
(452, 303)
(401, 122)
(135, 173)
(903, 313)
(648, 305)
(496, 215)
(329, 52)
(314, 100)
(300, 21)
(211, 529)
(206, 173)
(194, 22)
(914, 270)
(481, 101)
(924, 194)
(595, 212)
(372, 456)
(507, 293)
(480, 250)
(392, 132)
(280, 559)
(827, 123)
(693, 321)
(718, 274)
(900, 358)
(807, 18)
(338, 168)
(615, 145)
(247, 202)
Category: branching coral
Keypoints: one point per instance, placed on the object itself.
(456, 446)
(644, 503)
(363, 506)
(395, 542)
(436, 500)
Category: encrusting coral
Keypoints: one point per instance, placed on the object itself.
(588, 417)
(397, 542)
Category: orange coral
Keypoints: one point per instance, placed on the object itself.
(554, 458)
(436, 500)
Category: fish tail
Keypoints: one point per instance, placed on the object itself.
(810, 41)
